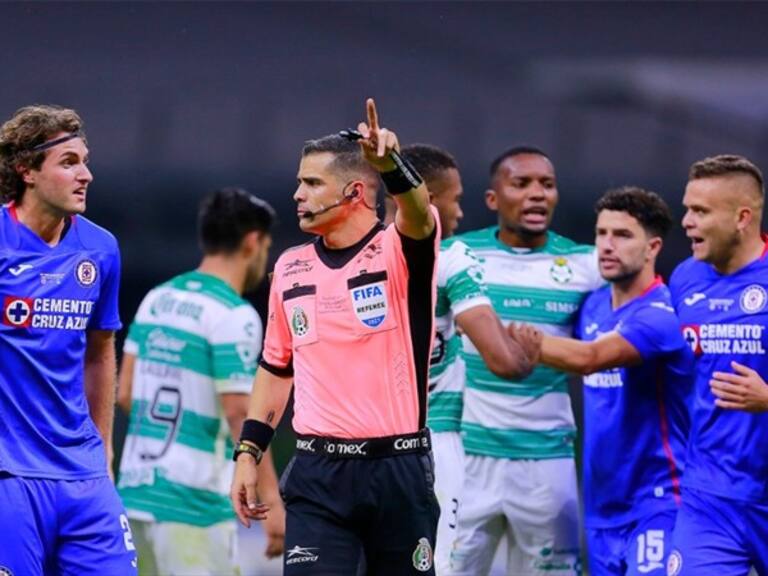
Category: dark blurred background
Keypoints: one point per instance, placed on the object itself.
(180, 98)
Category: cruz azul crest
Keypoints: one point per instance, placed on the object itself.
(86, 273)
(753, 299)
(370, 303)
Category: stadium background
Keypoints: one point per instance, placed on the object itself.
(180, 98)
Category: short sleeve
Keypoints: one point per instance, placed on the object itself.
(105, 315)
(235, 346)
(131, 344)
(464, 285)
(277, 354)
(653, 331)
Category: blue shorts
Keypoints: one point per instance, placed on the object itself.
(716, 535)
(63, 527)
(641, 547)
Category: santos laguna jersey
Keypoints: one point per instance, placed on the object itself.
(193, 338)
(354, 329)
(460, 287)
(725, 319)
(529, 418)
(50, 297)
(635, 417)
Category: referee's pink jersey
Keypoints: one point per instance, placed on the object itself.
(354, 327)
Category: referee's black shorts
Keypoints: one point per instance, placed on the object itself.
(347, 498)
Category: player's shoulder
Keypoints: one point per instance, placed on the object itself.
(659, 302)
(208, 288)
(92, 236)
(9, 237)
(597, 298)
(455, 247)
(297, 252)
(686, 265)
(482, 238)
(689, 272)
(562, 246)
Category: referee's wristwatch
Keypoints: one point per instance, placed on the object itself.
(245, 448)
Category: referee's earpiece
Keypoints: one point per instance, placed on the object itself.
(354, 193)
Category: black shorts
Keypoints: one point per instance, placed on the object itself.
(339, 509)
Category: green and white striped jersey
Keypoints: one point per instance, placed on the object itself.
(193, 338)
(532, 418)
(460, 287)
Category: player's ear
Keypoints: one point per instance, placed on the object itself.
(358, 190)
(250, 242)
(26, 174)
(654, 246)
(491, 200)
(743, 218)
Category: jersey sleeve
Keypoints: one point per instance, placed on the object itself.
(277, 354)
(106, 315)
(653, 331)
(131, 344)
(235, 346)
(464, 284)
(420, 255)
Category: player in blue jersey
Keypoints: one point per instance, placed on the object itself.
(720, 296)
(638, 376)
(59, 277)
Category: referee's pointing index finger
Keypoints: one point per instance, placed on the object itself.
(373, 119)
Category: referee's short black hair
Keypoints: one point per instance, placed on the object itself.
(515, 151)
(430, 161)
(647, 207)
(348, 158)
(226, 215)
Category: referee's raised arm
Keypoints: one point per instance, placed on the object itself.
(380, 148)
(351, 318)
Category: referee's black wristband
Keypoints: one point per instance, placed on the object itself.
(257, 433)
(403, 178)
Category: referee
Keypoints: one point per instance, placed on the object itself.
(350, 324)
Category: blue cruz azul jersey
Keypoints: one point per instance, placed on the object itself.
(50, 296)
(635, 418)
(725, 318)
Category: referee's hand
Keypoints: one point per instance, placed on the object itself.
(377, 142)
(243, 492)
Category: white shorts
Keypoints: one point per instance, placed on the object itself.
(171, 548)
(448, 452)
(252, 542)
(532, 503)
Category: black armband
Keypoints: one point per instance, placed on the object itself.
(403, 178)
(257, 433)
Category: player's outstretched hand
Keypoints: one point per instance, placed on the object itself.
(529, 339)
(243, 494)
(744, 389)
(377, 142)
